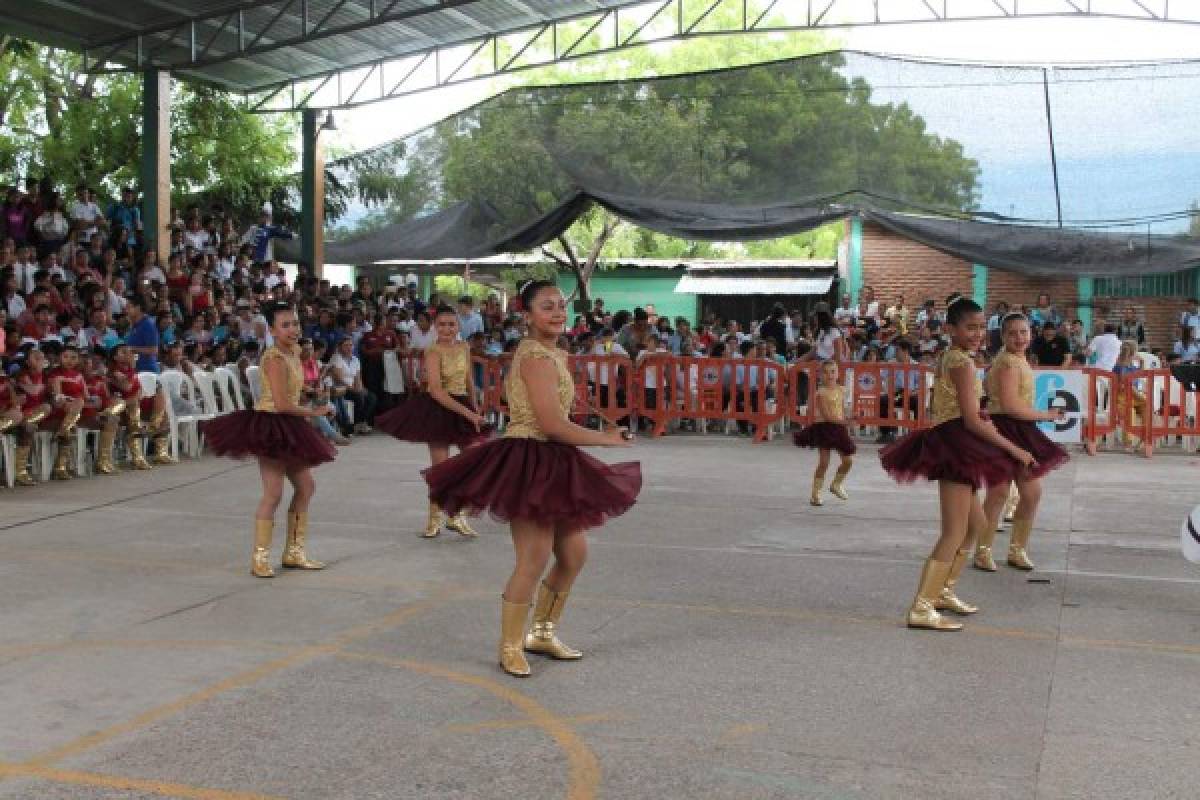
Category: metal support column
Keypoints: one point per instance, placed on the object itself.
(855, 256)
(156, 161)
(312, 195)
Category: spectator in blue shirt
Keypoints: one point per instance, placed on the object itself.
(259, 237)
(143, 335)
(127, 215)
(470, 322)
(906, 373)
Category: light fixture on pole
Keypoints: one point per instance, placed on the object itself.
(329, 124)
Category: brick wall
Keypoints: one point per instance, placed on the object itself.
(896, 265)
(1159, 315)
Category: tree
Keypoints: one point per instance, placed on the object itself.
(61, 123)
(802, 132)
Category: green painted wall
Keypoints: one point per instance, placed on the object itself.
(628, 288)
(854, 277)
(1085, 288)
(979, 284)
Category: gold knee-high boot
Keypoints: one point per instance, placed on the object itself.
(23, 476)
(433, 525)
(817, 484)
(546, 614)
(105, 463)
(294, 556)
(1010, 505)
(1017, 555)
(6, 423)
(162, 437)
(983, 548)
(459, 524)
(923, 613)
(836, 488)
(947, 600)
(66, 449)
(512, 638)
(133, 435)
(260, 561)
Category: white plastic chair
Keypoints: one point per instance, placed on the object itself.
(230, 396)
(184, 428)
(8, 449)
(254, 378)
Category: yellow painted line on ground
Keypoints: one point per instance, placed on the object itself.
(583, 769)
(240, 680)
(100, 781)
(737, 732)
(512, 724)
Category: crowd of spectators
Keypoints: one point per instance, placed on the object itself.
(74, 272)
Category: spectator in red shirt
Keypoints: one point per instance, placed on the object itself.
(371, 347)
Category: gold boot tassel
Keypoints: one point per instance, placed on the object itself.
(1017, 555)
(818, 482)
(433, 525)
(294, 556)
(458, 523)
(923, 613)
(512, 638)
(260, 562)
(947, 600)
(66, 450)
(837, 489)
(546, 614)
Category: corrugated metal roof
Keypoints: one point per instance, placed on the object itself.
(248, 45)
(751, 284)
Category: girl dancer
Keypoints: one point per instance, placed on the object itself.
(537, 478)
(278, 434)
(444, 415)
(1009, 387)
(124, 382)
(829, 432)
(962, 452)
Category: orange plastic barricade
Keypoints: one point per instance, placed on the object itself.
(748, 391)
(1161, 409)
(603, 387)
(656, 389)
(1102, 415)
(489, 377)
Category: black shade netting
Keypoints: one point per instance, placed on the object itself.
(958, 156)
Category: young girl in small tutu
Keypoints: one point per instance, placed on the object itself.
(277, 433)
(538, 479)
(963, 451)
(444, 415)
(830, 432)
(1009, 386)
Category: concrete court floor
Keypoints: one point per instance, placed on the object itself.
(740, 644)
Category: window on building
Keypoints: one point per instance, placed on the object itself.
(1172, 284)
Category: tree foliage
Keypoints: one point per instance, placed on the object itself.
(792, 132)
(61, 123)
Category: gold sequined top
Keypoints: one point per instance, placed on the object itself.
(522, 422)
(945, 396)
(1024, 381)
(295, 378)
(835, 399)
(455, 361)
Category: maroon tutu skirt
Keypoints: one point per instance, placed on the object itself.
(423, 419)
(1026, 435)
(949, 452)
(826, 436)
(547, 482)
(282, 437)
